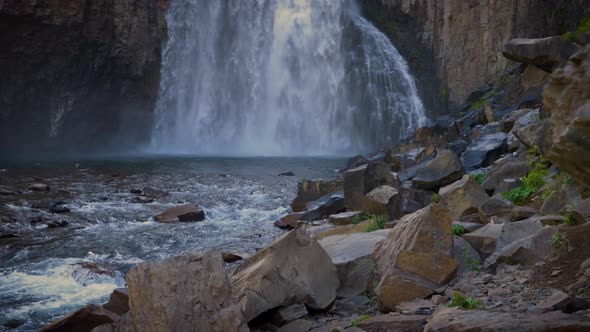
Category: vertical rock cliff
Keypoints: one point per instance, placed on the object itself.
(78, 74)
(455, 46)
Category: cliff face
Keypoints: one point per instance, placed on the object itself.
(78, 74)
(455, 46)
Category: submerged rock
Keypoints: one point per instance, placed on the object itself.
(184, 293)
(181, 213)
(293, 269)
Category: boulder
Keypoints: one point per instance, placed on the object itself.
(567, 98)
(507, 168)
(528, 250)
(542, 52)
(467, 257)
(289, 221)
(484, 239)
(393, 322)
(181, 213)
(324, 207)
(483, 151)
(289, 313)
(124, 324)
(537, 134)
(468, 226)
(496, 206)
(521, 213)
(42, 187)
(354, 188)
(383, 200)
(463, 197)
(379, 174)
(581, 211)
(311, 190)
(455, 320)
(184, 293)
(444, 169)
(293, 269)
(345, 218)
(408, 265)
(352, 254)
(82, 320)
(118, 301)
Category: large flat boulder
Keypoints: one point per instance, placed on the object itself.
(416, 258)
(542, 52)
(455, 320)
(353, 256)
(181, 213)
(311, 190)
(293, 269)
(184, 293)
(567, 98)
(463, 197)
(444, 169)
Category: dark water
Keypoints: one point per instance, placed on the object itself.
(47, 272)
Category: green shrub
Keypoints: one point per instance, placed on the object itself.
(559, 242)
(479, 103)
(582, 28)
(467, 303)
(356, 321)
(357, 219)
(457, 230)
(377, 222)
(479, 177)
(532, 182)
(435, 198)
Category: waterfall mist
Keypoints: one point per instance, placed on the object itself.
(280, 77)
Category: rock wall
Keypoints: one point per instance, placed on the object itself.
(454, 47)
(78, 74)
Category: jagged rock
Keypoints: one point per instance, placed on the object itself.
(383, 200)
(344, 218)
(353, 256)
(84, 319)
(542, 52)
(467, 257)
(494, 237)
(521, 213)
(530, 249)
(566, 97)
(509, 120)
(42, 187)
(463, 197)
(311, 190)
(537, 134)
(354, 188)
(324, 207)
(581, 211)
(292, 269)
(379, 174)
(557, 301)
(484, 151)
(118, 301)
(289, 313)
(289, 221)
(124, 324)
(394, 322)
(468, 226)
(455, 320)
(444, 169)
(495, 206)
(506, 168)
(408, 266)
(296, 326)
(184, 293)
(394, 160)
(181, 213)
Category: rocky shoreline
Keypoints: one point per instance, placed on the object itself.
(477, 222)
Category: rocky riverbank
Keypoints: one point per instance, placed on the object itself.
(477, 222)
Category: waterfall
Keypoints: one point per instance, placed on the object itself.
(280, 77)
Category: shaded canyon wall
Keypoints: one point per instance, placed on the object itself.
(455, 46)
(81, 74)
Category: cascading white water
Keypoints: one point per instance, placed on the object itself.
(280, 77)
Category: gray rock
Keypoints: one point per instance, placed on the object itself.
(483, 151)
(542, 52)
(444, 169)
(311, 190)
(383, 200)
(181, 213)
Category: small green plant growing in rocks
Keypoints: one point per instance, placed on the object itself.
(435, 198)
(479, 177)
(559, 242)
(479, 103)
(458, 230)
(532, 182)
(472, 263)
(377, 222)
(355, 322)
(357, 219)
(569, 179)
(568, 219)
(582, 28)
(467, 303)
